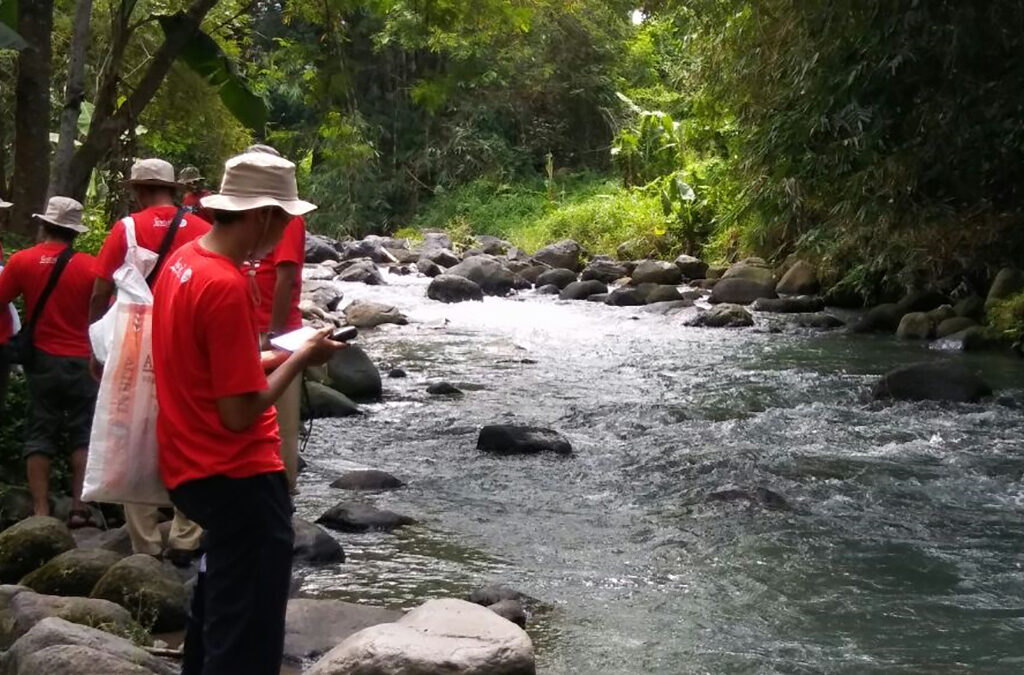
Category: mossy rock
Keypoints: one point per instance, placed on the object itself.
(22, 608)
(26, 546)
(74, 572)
(155, 597)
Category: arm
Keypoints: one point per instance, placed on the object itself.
(99, 303)
(287, 274)
(9, 286)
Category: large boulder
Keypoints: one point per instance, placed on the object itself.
(692, 268)
(581, 290)
(320, 249)
(550, 289)
(362, 271)
(796, 304)
(365, 248)
(366, 314)
(507, 439)
(354, 374)
(153, 595)
(533, 272)
(25, 546)
(627, 296)
(117, 539)
(954, 325)
(752, 269)
(660, 293)
(314, 545)
(1008, 282)
(605, 270)
(428, 268)
(723, 316)
(314, 627)
(324, 294)
(884, 318)
(971, 307)
(21, 609)
(367, 479)
(564, 254)
(741, 291)
(355, 517)
(916, 326)
(73, 572)
(492, 245)
(439, 637)
(55, 646)
(403, 256)
(922, 301)
(556, 277)
(942, 381)
(487, 273)
(800, 279)
(656, 272)
(450, 288)
(318, 273)
(322, 402)
(440, 256)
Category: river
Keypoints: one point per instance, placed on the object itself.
(900, 550)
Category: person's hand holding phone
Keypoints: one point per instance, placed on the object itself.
(319, 349)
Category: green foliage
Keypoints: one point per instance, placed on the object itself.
(1006, 317)
(649, 148)
(12, 430)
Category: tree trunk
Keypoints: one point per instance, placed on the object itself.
(110, 121)
(32, 114)
(74, 94)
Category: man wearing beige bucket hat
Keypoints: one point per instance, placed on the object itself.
(55, 283)
(217, 427)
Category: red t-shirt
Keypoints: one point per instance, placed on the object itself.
(291, 249)
(63, 328)
(150, 228)
(6, 323)
(206, 347)
(191, 202)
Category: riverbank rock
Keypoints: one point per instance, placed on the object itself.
(320, 249)
(365, 314)
(449, 288)
(27, 545)
(354, 518)
(495, 593)
(117, 539)
(557, 277)
(314, 627)
(443, 389)
(354, 374)
(428, 268)
(506, 439)
(800, 279)
(884, 318)
(915, 326)
(435, 239)
(604, 270)
(954, 325)
(943, 381)
(550, 289)
(798, 304)
(313, 545)
(565, 254)
(323, 402)
(820, 321)
(924, 300)
(741, 291)
(324, 294)
(492, 245)
(627, 296)
(367, 479)
(21, 609)
(440, 636)
(659, 294)
(971, 307)
(656, 272)
(533, 272)
(723, 316)
(73, 572)
(318, 273)
(58, 647)
(363, 272)
(752, 269)
(487, 273)
(364, 248)
(581, 290)
(1008, 282)
(140, 584)
(692, 268)
(441, 257)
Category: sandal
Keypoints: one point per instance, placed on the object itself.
(79, 518)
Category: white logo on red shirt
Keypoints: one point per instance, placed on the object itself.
(183, 273)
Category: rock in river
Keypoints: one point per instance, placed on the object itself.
(504, 439)
(723, 316)
(657, 272)
(443, 389)
(550, 289)
(362, 271)
(441, 257)
(323, 402)
(916, 326)
(314, 627)
(140, 584)
(954, 325)
(800, 304)
(320, 249)
(487, 273)
(581, 290)
(741, 291)
(942, 381)
(450, 288)
(365, 314)
(565, 254)
(428, 268)
(314, 546)
(354, 517)
(367, 479)
(692, 268)
(25, 546)
(604, 270)
(800, 279)
(354, 374)
(558, 277)
(1007, 283)
(73, 572)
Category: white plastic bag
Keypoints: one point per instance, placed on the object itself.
(123, 463)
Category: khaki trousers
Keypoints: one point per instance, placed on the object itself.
(289, 422)
(142, 522)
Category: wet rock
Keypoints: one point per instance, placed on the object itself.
(314, 546)
(73, 572)
(353, 517)
(320, 249)
(556, 277)
(692, 268)
(753, 270)
(323, 294)
(441, 257)
(428, 268)
(450, 289)
(668, 308)
(510, 610)
(941, 313)
(819, 321)
(581, 290)
(29, 544)
(1008, 282)
(397, 373)
(154, 596)
(495, 593)
(716, 272)
(443, 389)
(598, 298)
(915, 326)
(506, 439)
(800, 279)
(487, 273)
(323, 402)
(403, 256)
(367, 479)
(492, 245)
(975, 339)
(441, 636)
(550, 289)
(565, 254)
(954, 325)
(314, 627)
(318, 273)
(799, 304)
(520, 284)
(518, 266)
(971, 307)
(943, 381)
(472, 253)
(660, 294)
(21, 609)
(354, 374)
(58, 647)
(626, 296)
(604, 270)
(533, 272)
(922, 301)
(741, 291)
(365, 248)
(657, 272)
(364, 272)
(757, 495)
(365, 314)
(881, 319)
(723, 316)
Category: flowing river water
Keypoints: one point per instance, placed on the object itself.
(900, 548)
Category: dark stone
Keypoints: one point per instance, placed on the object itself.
(495, 593)
(324, 294)
(723, 316)
(397, 373)
(741, 291)
(314, 627)
(533, 272)
(428, 268)
(922, 301)
(692, 268)
(354, 374)
(511, 610)
(505, 439)
(662, 294)
(140, 584)
(314, 545)
(566, 254)
(443, 389)
(581, 290)
(487, 273)
(367, 479)
(954, 325)
(355, 518)
(27, 545)
(882, 319)
(449, 289)
(366, 248)
(605, 271)
(656, 272)
(320, 249)
(799, 304)
(844, 296)
(915, 326)
(363, 271)
(435, 239)
(754, 270)
(323, 402)
(800, 279)
(971, 307)
(556, 277)
(757, 495)
(943, 381)
(520, 284)
(73, 572)
(626, 296)
(472, 253)
(1008, 282)
(975, 339)
(550, 289)
(599, 297)
(821, 321)
(492, 245)
(440, 256)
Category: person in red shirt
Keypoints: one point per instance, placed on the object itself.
(6, 331)
(279, 282)
(153, 188)
(192, 180)
(62, 394)
(217, 427)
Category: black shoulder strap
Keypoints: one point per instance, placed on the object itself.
(165, 245)
(58, 268)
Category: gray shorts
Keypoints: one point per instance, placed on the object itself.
(62, 399)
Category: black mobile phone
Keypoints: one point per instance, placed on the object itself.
(345, 334)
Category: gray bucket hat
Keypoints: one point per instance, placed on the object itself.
(63, 212)
(257, 179)
(153, 172)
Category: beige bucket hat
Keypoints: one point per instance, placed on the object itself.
(5, 205)
(63, 212)
(153, 172)
(257, 179)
